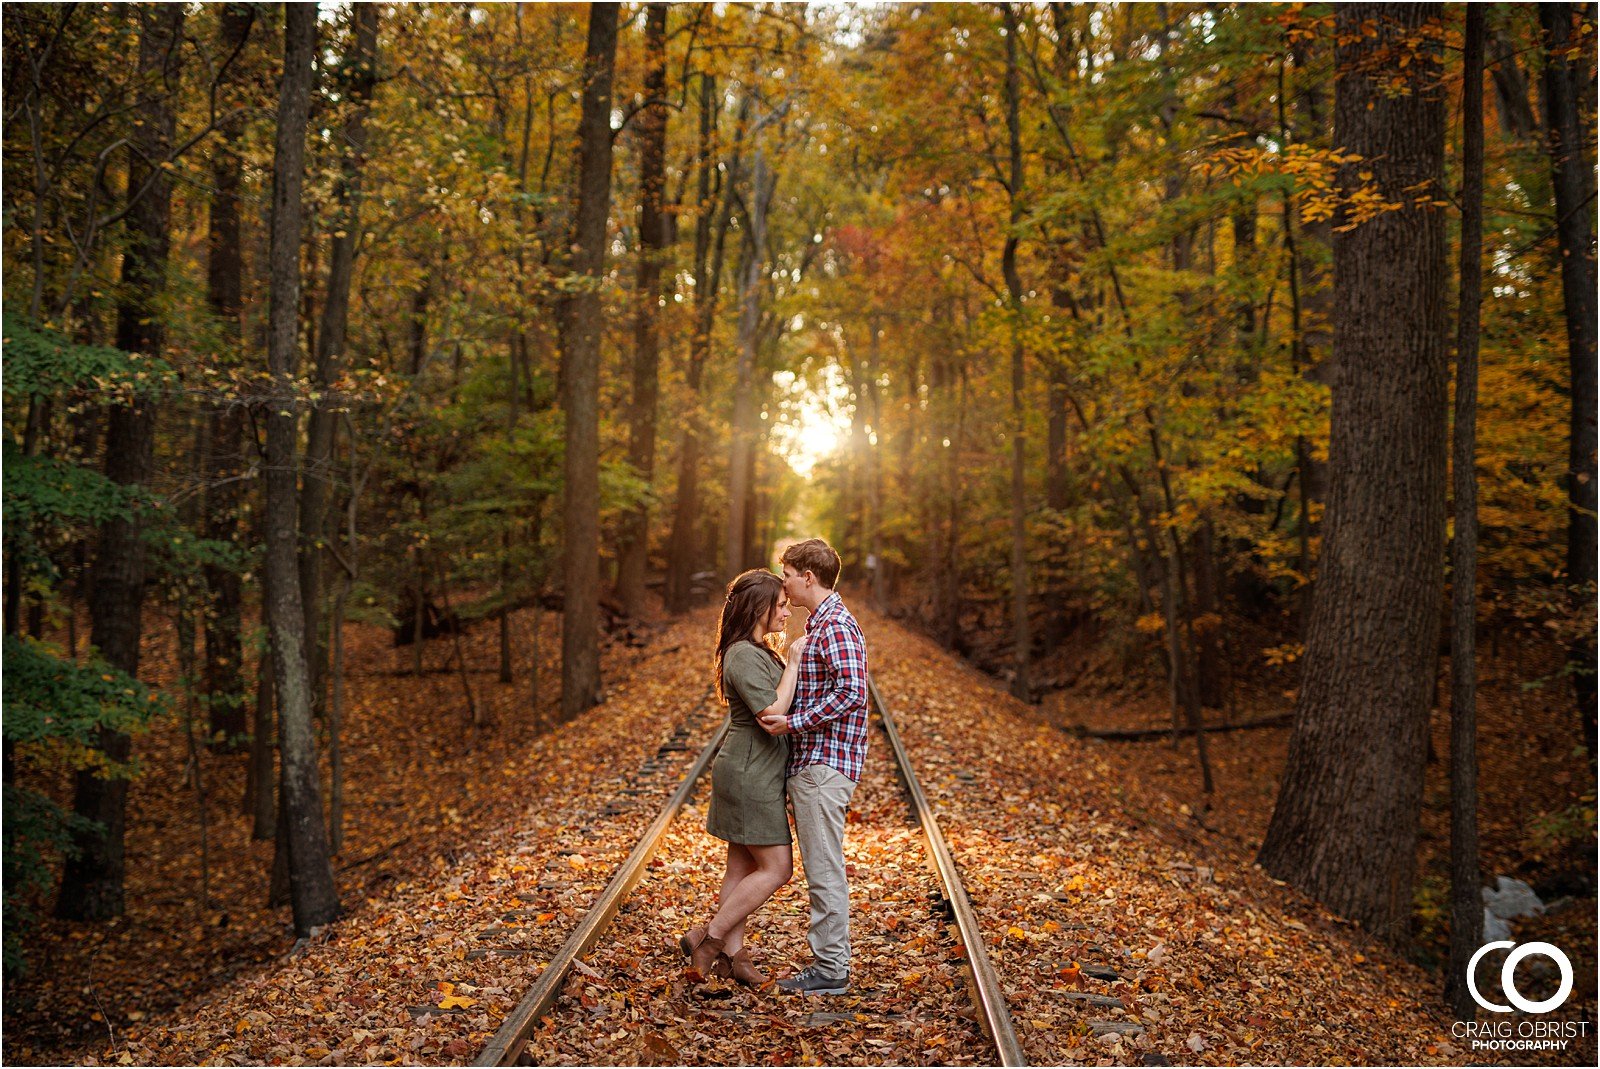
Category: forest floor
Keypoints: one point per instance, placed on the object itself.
(1536, 791)
(1074, 850)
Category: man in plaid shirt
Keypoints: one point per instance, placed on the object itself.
(829, 722)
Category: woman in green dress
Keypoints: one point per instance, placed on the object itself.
(747, 799)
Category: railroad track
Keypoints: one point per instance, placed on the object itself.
(508, 1044)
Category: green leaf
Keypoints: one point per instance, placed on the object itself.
(46, 362)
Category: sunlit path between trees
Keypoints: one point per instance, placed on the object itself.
(1201, 398)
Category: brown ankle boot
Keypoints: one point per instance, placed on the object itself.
(744, 970)
(691, 940)
(704, 958)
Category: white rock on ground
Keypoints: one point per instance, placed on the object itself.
(1511, 899)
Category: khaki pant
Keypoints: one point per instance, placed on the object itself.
(820, 795)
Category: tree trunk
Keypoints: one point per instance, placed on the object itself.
(418, 347)
(304, 838)
(187, 664)
(360, 68)
(855, 518)
(351, 572)
(1021, 635)
(710, 232)
(1311, 349)
(874, 471)
(336, 720)
(263, 796)
(31, 434)
(905, 477)
(278, 883)
(1573, 177)
(420, 602)
(1511, 89)
(1065, 303)
(579, 324)
(753, 502)
(475, 714)
(92, 880)
(1346, 821)
(741, 454)
(1057, 494)
(634, 552)
(1466, 905)
(1210, 671)
(506, 674)
(224, 680)
(951, 635)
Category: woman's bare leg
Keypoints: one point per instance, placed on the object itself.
(741, 863)
(772, 868)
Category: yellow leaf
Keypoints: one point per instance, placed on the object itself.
(450, 1002)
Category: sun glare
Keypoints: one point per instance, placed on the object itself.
(816, 420)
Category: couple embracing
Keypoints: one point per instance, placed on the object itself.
(797, 727)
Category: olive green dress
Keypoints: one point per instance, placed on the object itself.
(747, 799)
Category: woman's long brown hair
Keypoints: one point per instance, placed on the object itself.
(751, 599)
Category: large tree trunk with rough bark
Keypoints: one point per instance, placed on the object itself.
(634, 550)
(1466, 877)
(1346, 822)
(1574, 182)
(92, 881)
(579, 324)
(303, 835)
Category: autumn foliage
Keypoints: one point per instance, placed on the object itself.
(1031, 310)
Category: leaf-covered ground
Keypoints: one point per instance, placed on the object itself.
(1536, 801)
(1125, 931)
(1218, 963)
(424, 791)
(907, 1004)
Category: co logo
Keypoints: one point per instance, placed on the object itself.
(1508, 977)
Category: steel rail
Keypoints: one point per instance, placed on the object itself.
(988, 995)
(508, 1042)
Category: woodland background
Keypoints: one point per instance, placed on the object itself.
(521, 328)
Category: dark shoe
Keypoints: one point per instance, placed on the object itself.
(811, 981)
(691, 940)
(744, 970)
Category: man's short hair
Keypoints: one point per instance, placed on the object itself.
(814, 556)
